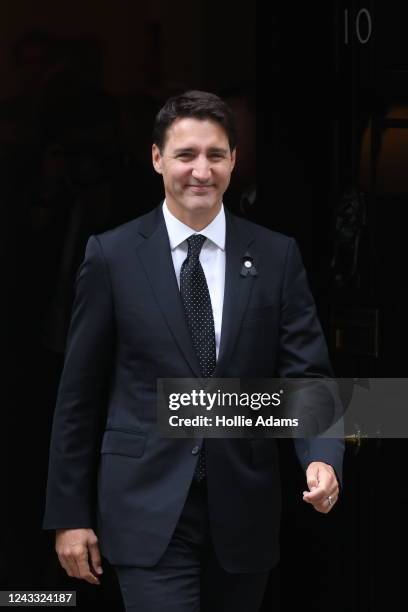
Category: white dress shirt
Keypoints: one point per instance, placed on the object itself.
(212, 258)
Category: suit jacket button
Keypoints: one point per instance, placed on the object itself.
(195, 450)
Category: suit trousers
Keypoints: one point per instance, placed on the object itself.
(189, 577)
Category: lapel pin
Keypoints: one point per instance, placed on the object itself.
(248, 266)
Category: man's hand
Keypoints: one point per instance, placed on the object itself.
(323, 486)
(78, 553)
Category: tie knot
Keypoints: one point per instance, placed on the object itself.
(195, 242)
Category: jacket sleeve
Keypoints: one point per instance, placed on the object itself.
(303, 353)
(82, 398)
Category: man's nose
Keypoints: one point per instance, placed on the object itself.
(201, 169)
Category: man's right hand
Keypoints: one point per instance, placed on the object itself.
(78, 553)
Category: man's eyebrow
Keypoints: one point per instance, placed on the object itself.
(192, 150)
(218, 150)
(184, 150)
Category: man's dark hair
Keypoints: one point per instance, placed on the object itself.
(197, 105)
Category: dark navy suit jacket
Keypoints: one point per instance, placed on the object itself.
(109, 468)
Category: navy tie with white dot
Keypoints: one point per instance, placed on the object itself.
(197, 305)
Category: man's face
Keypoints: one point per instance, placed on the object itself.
(196, 163)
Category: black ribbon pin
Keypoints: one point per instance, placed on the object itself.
(248, 266)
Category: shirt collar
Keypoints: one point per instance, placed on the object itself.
(179, 232)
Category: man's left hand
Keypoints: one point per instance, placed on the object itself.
(323, 486)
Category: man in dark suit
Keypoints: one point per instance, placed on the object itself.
(184, 523)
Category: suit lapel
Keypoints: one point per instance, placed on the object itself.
(155, 256)
(238, 287)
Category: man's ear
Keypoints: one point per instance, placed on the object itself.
(233, 158)
(157, 159)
